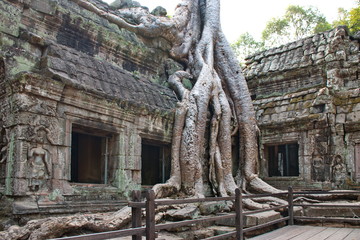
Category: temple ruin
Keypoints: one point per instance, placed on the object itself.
(307, 98)
(86, 114)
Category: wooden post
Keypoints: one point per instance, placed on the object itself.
(150, 215)
(136, 213)
(291, 206)
(239, 219)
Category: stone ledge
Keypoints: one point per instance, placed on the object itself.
(32, 207)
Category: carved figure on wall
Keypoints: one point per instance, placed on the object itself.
(39, 169)
(39, 163)
(338, 171)
(318, 169)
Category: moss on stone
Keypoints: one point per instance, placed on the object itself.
(296, 99)
(307, 104)
(310, 96)
(22, 65)
(269, 111)
(10, 18)
(269, 105)
(273, 94)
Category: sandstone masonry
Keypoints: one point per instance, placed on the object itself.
(307, 99)
(80, 99)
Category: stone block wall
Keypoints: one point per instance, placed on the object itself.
(65, 70)
(307, 92)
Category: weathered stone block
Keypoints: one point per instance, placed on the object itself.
(340, 118)
(325, 211)
(29, 207)
(188, 212)
(353, 116)
(321, 48)
(330, 57)
(136, 176)
(226, 222)
(19, 186)
(341, 55)
(58, 172)
(208, 208)
(10, 18)
(354, 58)
(261, 218)
(309, 51)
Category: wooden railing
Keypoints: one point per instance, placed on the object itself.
(151, 228)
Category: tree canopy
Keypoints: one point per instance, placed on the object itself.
(297, 22)
(349, 18)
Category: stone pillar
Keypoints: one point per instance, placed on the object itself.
(127, 174)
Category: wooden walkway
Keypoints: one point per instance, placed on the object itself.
(297, 232)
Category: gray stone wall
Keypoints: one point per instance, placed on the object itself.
(62, 67)
(307, 92)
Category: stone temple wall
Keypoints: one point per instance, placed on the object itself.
(65, 71)
(308, 93)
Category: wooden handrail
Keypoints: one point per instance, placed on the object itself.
(194, 221)
(106, 235)
(246, 213)
(151, 204)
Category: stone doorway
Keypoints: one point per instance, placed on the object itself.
(87, 161)
(155, 163)
(283, 160)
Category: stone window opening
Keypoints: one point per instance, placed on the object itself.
(155, 163)
(89, 156)
(320, 108)
(283, 160)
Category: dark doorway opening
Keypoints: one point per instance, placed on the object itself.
(86, 158)
(283, 160)
(155, 164)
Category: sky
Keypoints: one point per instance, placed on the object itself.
(240, 16)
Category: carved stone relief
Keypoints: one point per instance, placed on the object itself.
(318, 169)
(321, 160)
(338, 171)
(39, 170)
(39, 161)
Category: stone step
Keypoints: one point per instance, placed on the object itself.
(327, 211)
(252, 219)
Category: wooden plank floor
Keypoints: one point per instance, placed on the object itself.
(310, 233)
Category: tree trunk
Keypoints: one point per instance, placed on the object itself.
(218, 103)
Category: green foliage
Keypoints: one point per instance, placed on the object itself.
(246, 45)
(297, 22)
(354, 22)
(343, 18)
(349, 18)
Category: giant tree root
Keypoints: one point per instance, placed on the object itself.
(54, 227)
